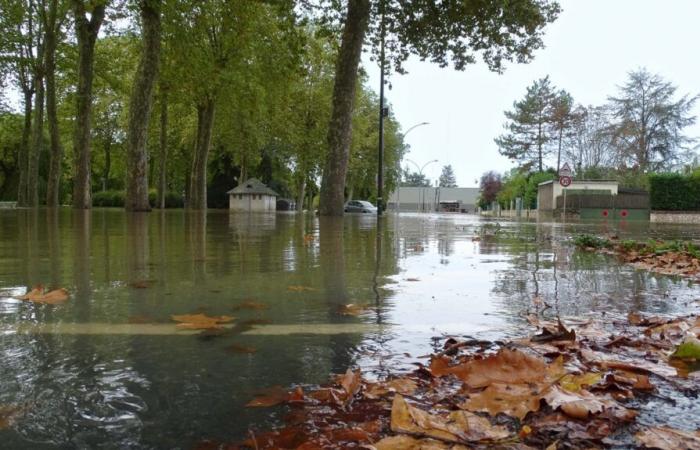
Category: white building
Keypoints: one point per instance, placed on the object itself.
(434, 199)
(252, 196)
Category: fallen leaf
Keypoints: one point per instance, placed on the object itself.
(351, 309)
(574, 383)
(8, 415)
(689, 349)
(249, 304)
(515, 400)
(560, 333)
(666, 438)
(238, 348)
(38, 295)
(351, 382)
(457, 427)
(412, 279)
(583, 404)
(403, 386)
(274, 396)
(300, 288)
(200, 321)
(506, 366)
(403, 442)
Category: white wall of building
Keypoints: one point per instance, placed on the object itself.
(252, 202)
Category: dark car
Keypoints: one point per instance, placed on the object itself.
(360, 206)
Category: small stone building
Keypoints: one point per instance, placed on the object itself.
(252, 196)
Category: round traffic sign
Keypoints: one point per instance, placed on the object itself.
(565, 181)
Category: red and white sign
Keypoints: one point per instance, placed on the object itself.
(565, 181)
(565, 171)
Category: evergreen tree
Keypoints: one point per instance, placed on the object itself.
(447, 177)
(528, 126)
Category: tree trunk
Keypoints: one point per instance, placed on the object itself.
(198, 182)
(24, 149)
(300, 198)
(340, 127)
(108, 161)
(37, 132)
(140, 108)
(56, 151)
(561, 132)
(162, 167)
(539, 146)
(86, 32)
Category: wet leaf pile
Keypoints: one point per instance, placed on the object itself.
(573, 385)
(39, 294)
(676, 258)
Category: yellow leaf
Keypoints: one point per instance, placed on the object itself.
(574, 383)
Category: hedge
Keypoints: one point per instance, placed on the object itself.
(674, 192)
(116, 199)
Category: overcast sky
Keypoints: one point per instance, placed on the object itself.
(588, 52)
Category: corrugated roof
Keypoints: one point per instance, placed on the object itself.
(253, 186)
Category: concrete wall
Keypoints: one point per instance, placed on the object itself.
(692, 217)
(427, 198)
(252, 202)
(512, 213)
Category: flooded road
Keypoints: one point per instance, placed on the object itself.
(108, 369)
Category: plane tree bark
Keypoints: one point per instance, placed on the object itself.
(86, 30)
(140, 108)
(52, 28)
(340, 129)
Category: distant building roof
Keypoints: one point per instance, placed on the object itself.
(252, 186)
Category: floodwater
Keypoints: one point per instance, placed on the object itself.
(108, 369)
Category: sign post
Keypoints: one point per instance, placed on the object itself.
(565, 181)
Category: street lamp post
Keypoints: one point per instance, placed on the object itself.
(398, 165)
(420, 172)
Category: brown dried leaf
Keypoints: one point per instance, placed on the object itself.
(583, 404)
(200, 321)
(241, 349)
(403, 386)
(506, 366)
(515, 400)
(38, 295)
(352, 309)
(300, 288)
(457, 427)
(666, 438)
(403, 442)
(275, 396)
(8, 415)
(249, 304)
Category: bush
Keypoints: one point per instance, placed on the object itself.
(674, 192)
(108, 199)
(115, 199)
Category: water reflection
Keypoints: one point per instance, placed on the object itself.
(172, 390)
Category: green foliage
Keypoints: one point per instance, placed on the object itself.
(447, 177)
(115, 199)
(590, 241)
(675, 192)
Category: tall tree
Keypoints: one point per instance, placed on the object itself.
(20, 38)
(589, 144)
(414, 179)
(490, 185)
(528, 126)
(649, 122)
(340, 128)
(37, 140)
(562, 120)
(163, 144)
(447, 177)
(88, 20)
(455, 31)
(140, 107)
(53, 22)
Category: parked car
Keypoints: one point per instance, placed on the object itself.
(360, 206)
